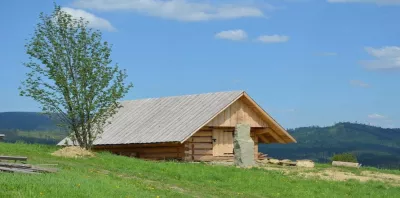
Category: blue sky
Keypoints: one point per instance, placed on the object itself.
(307, 62)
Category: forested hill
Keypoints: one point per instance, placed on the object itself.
(25, 121)
(374, 146)
(30, 127)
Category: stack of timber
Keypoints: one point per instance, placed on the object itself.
(20, 167)
(262, 156)
(286, 162)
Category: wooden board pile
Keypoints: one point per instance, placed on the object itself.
(21, 167)
(262, 156)
(286, 162)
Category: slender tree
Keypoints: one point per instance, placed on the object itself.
(71, 75)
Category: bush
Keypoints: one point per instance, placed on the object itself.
(345, 157)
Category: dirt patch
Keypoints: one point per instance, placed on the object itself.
(339, 175)
(384, 176)
(305, 163)
(73, 152)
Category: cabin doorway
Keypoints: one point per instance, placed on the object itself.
(222, 142)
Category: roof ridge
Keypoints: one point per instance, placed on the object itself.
(185, 95)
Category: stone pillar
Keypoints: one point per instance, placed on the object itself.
(243, 146)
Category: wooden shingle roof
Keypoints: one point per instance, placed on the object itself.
(167, 119)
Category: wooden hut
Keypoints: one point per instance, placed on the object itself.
(191, 128)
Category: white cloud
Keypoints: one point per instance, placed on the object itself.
(273, 38)
(379, 2)
(359, 83)
(385, 58)
(235, 35)
(181, 10)
(94, 21)
(376, 116)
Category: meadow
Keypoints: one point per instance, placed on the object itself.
(108, 175)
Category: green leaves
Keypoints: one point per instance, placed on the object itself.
(71, 75)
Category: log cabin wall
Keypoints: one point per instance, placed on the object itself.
(160, 151)
(200, 146)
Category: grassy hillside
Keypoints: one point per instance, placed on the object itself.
(374, 146)
(107, 175)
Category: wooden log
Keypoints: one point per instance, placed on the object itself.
(203, 134)
(146, 150)
(202, 139)
(161, 155)
(17, 170)
(212, 158)
(13, 165)
(19, 158)
(201, 145)
(44, 170)
(346, 164)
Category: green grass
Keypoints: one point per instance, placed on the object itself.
(107, 175)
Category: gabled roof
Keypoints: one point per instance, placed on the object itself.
(167, 119)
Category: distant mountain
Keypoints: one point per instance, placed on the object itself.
(374, 146)
(26, 121)
(30, 127)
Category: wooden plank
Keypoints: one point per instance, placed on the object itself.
(146, 150)
(261, 131)
(201, 145)
(221, 118)
(240, 118)
(19, 158)
(17, 170)
(211, 158)
(202, 139)
(192, 150)
(203, 134)
(215, 143)
(199, 152)
(203, 152)
(14, 165)
(228, 142)
(234, 113)
(263, 139)
(275, 136)
(44, 170)
(160, 155)
(227, 114)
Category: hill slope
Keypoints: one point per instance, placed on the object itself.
(108, 175)
(374, 146)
